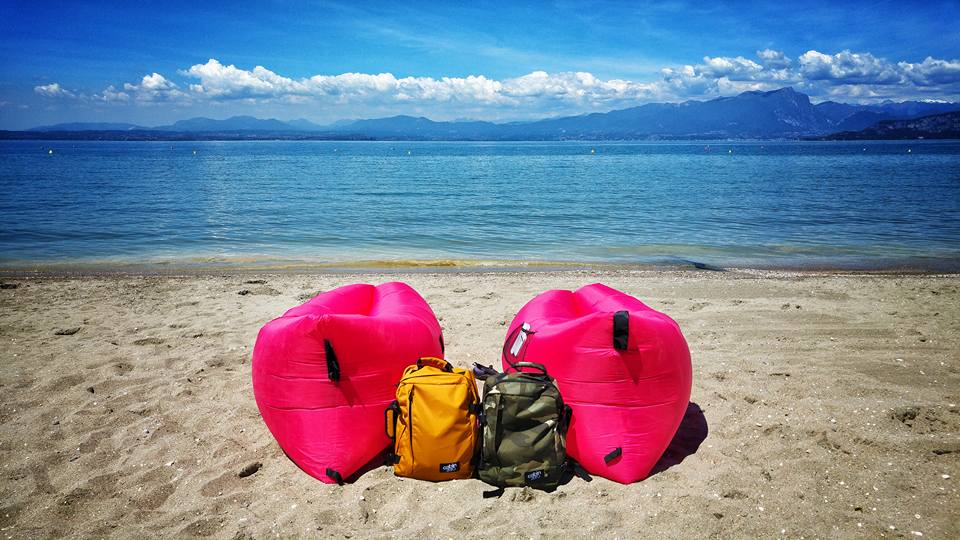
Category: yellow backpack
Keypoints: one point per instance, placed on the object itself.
(433, 422)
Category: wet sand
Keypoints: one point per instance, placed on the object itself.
(826, 405)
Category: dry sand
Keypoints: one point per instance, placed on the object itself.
(831, 403)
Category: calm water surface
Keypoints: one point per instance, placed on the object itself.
(877, 204)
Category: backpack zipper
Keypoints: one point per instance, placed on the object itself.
(410, 425)
(499, 432)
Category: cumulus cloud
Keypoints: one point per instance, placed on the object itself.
(220, 81)
(111, 94)
(846, 67)
(153, 87)
(573, 87)
(772, 59)
(53, 90)
(932, 72)
(734, 69)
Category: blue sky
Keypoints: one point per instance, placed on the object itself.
(159, 62)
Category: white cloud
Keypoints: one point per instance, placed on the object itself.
(153, 87)
(846, 67)
(220, 81)
(53, 90)
(574, 87)
(111, 94)
(932, 72)
(774, 60)
(735, 69)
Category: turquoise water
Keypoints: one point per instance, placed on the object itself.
(779, 204)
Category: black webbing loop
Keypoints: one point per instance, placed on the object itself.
(333, 366)
(621, 330)
(431, 361)
(481, 371)
(579, 471)
(335, 475)
(612, 455)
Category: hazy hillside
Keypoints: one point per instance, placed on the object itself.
(937, 126)
(783, 113)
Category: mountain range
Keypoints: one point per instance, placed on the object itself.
(783, 113)
(937, 126)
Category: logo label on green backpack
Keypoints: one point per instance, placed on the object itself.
(449, 467)
(533, 476)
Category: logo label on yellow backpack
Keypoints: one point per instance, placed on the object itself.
(449, 467)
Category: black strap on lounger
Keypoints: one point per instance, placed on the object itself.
(335, 475)
(333, 366)
(493, 493)
(565, 419)
(612, 455)
(621, 330)
(441, 343)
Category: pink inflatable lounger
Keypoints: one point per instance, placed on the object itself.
(622, 367)
(324, 372)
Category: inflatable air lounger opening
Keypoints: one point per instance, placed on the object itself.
(622, 367)
(324, 372)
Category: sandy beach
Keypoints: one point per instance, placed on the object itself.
(830, 408)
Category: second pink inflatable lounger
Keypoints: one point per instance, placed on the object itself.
(622, 367)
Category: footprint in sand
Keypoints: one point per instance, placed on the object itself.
(66, 331)
(259, 291)
(65, 382)
(122, 368)
(203, 527)
(373, 500)
(698, 306)
(303, 297)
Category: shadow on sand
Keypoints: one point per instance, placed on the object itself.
(691, 433)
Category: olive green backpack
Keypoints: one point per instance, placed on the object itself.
(523, 423)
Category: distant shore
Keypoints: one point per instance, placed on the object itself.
(159, 136)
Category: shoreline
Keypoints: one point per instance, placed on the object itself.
(448, 266)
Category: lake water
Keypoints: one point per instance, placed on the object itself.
(770, 204)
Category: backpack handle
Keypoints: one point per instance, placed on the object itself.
(533, 365)
(390, 415)
(438, 363)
